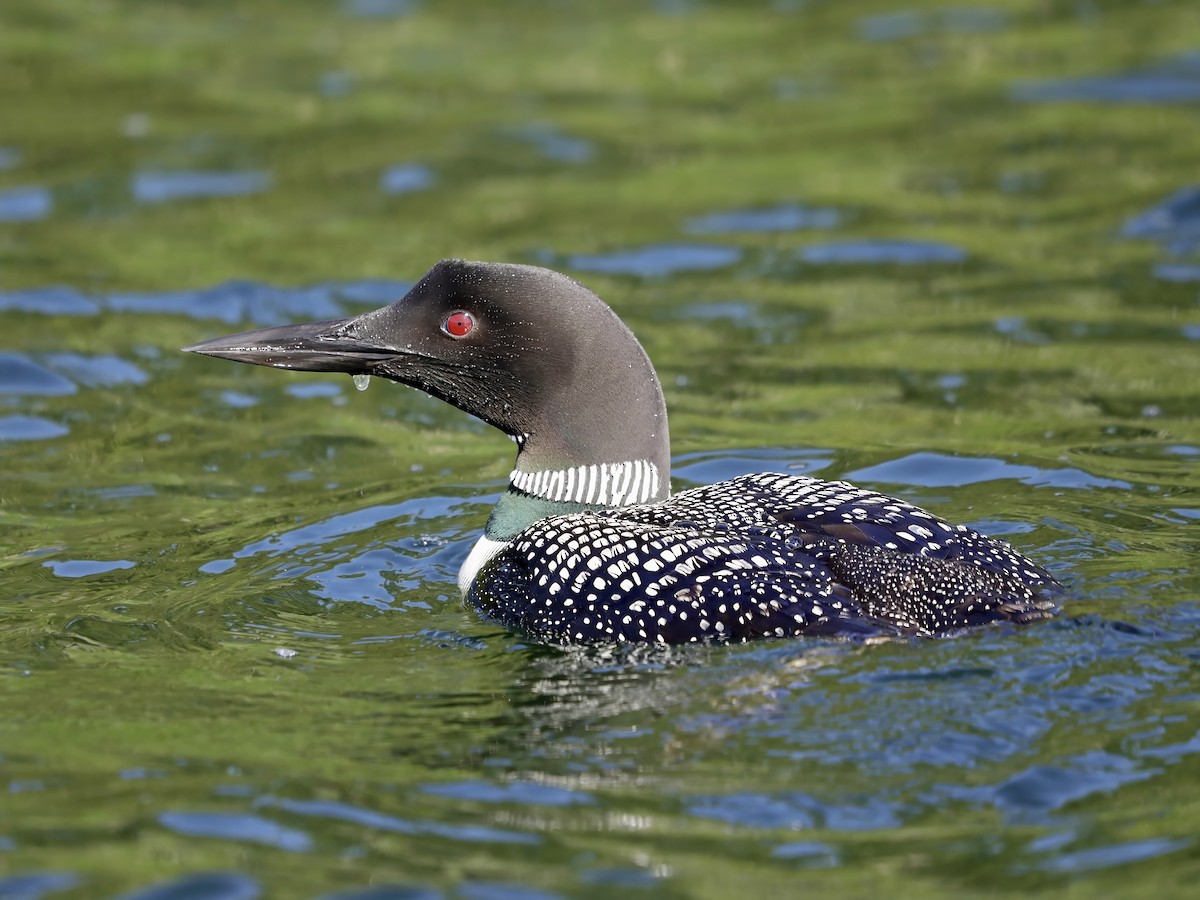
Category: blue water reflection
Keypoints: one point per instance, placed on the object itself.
(262, 304)
(895, 26)
(1178, 272)
(500, 890)
(30, 428)
(523, 792)
(379, 9)
(19, 375)
(1174, 223)
(236, 827)
(335, 84)
(345, 812)
(1173, 81)
(165, 187)
(708, 468)
(1111, 855)
(1043, 788)
(552, 143)
(387, 892)
(25, 204)
(882, 252)
(50, 301)
(795, 811)
(811, 853)
(85, 568)
(104, 370)
(785, 217)
(657, 260)
(344, 563)
(36, 885)
(407, 178)
(201, 886)
(939, 470)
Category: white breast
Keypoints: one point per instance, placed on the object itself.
(485, 548)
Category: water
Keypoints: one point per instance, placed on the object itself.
(657, 260)
(166, 187)
(947, 252)
(406, 178)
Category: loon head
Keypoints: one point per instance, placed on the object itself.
(525, 349)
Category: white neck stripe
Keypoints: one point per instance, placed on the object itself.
(586, 485)
(607, 484)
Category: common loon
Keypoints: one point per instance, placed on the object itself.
(587, 544)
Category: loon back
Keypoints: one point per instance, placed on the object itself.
(587, 544)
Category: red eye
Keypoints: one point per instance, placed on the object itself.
(458, 324)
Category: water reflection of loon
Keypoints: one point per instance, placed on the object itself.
(587, 544)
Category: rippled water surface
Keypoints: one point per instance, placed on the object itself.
(946, 252)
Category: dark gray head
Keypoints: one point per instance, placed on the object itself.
(527, 350)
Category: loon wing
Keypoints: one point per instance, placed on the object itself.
(810, 510)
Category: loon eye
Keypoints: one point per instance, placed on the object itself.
(458, 324)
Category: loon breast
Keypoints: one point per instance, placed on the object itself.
(758, 556)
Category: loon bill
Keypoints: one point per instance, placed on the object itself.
(588, 544)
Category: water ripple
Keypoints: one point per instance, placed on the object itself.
(201, 886)
(1113, 855)
(345, 812)
(379, 9)
(906, 24)
(553, 144)
(523, 792)
(25, 204)
(262, 304)
(30, 428)
(242, 827)
(786, 217)
(939, 470)
(50, 301)
(104, 370)
(85, 568)
(1173, 81)
(166, 187)
(19, 375)
(36, 885)
(882, 252)
(795, 811)
(1173, 222)
(407, 178)
(657, 260)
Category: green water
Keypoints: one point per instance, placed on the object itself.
(234, 660)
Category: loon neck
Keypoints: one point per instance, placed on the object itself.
(537, 492)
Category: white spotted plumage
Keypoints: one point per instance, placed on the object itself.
(758, 556)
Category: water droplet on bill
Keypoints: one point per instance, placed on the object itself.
(362, 382)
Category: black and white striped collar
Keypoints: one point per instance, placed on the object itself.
(600, 484)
